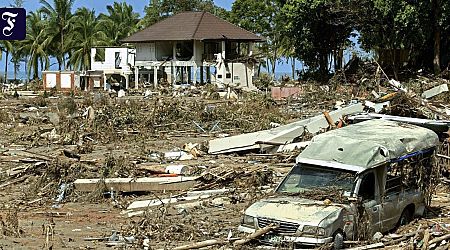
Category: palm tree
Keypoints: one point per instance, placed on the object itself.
(7, 47)
(36, 43)
(86, 33)
(120, 22)
(59, 17)
(17, 55)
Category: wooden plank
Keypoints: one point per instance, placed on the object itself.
(372, 246)
(139, 184)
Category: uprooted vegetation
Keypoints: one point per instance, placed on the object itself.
(127, 137)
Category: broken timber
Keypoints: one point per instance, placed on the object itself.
(280, 135)
(435, 91)
(137, 185)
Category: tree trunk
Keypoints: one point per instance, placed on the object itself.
(6, 66)
(334, 58)
(323, 65)
(26, 69)
(293, 68)
(62, 50)
(340, 58)
(16, 65)
(35, 70)
(274, 65)
(435, 5)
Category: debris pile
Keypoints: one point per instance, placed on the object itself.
(177, 170)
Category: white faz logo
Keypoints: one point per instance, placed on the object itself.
(10, 19)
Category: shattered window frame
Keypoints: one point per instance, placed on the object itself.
(409, 172)
(320, 169)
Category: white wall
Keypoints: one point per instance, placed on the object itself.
(66, 80)
(126, 56)
(198, 48)
(50, 80)
(145, 52)
(238, 75)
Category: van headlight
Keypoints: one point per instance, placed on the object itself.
(313, 230)
(248, 221)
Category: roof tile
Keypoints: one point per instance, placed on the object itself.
(192, 26)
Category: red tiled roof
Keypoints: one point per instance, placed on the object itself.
(192, 26)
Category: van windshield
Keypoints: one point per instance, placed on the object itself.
(304, 177)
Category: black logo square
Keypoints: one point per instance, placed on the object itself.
(13, 23)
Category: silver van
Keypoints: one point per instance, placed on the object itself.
(348, 184)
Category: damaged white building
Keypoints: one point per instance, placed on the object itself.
(194, 47)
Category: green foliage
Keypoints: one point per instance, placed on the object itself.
(119, 23)
(263, 81)
(157, 10)
(411, 26)
(86, 33)
(58, 17)
(255, 15)
(36, 43)
(314, 31)
(319, 28)
(263, 18)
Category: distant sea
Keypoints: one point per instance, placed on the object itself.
(22, 75)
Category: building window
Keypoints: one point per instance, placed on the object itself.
(219, 76)
(228, 75)
(236, 78)
(117, 60)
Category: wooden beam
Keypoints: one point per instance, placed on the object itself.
(139, 184)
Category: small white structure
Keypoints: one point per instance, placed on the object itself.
(61, 80)
(111, 67)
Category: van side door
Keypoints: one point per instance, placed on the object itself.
(369, 193)
(392, 201)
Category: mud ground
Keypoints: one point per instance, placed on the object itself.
(123, 133)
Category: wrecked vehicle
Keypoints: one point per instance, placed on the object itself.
(348, 184)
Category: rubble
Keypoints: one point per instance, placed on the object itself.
(138, 184)
(167, 172)
(265, 140)
(435, 91)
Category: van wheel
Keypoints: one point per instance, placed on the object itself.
(338, 242)
(406, 217)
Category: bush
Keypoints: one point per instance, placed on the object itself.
(263, 81)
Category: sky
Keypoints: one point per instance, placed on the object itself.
(100, 5)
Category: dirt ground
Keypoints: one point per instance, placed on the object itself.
(111, 137)
(111, 145)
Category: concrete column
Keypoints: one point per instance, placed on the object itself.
(155, 76)
(189, 75)
(208, 74)
(173, 73)
(224, 70)
(174, 51)
(182, 74)
(250, 49)
(136, 77)
(201, 74)
(104, 81)
(223, 49)
(127, 81)
(195, 74)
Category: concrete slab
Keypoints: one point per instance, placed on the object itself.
(280, 135)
